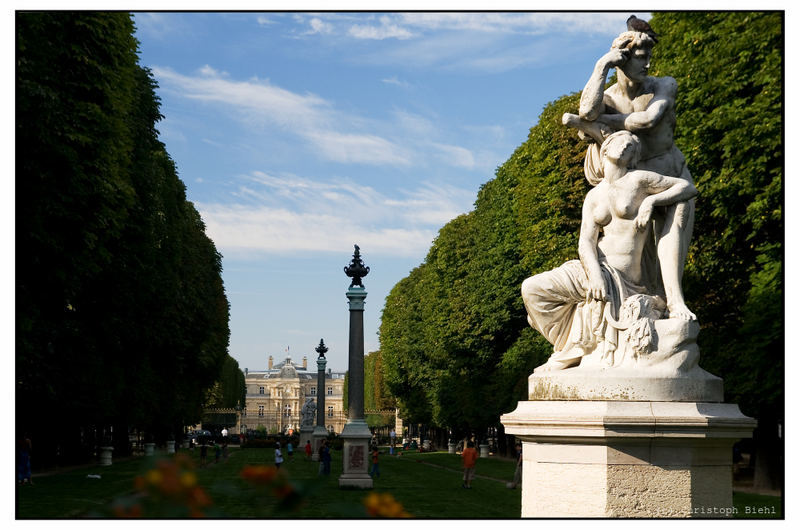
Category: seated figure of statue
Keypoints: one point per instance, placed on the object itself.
(645, 106)
(308, 412)
(583, 306)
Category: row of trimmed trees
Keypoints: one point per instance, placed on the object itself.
(456, 347)
(121, 313)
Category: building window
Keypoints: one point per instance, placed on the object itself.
(287, 411)
(330, 412)
(330, 390)
(261, 410)
(261, 390)
(330, 428)
(313, 391)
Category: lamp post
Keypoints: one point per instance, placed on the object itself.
(356, 434)
(320, 432)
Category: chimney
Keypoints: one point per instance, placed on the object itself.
(269, 366)
(305, 362)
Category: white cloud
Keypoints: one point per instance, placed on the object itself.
(309, 116)
(386, 30)
(421, 24)
(289, 214)
(525, 23)
(318, 26)
(394, 81)
(264, 21)
(482, 41)
(360, 148)
(455, 155)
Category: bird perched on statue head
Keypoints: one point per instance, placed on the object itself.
(637, 24)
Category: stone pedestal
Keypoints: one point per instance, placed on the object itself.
(627, 458)
(619, 384)
(306, 435)
(149, 449)
(484, 450)
(105, 455)
(451, 448)
(170, 447)
(317, 436)
(355, 461)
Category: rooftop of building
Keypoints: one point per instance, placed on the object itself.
(287, 369)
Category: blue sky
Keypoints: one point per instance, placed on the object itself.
(300, 134)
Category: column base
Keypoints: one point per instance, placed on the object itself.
(355, 460)
(627, 458)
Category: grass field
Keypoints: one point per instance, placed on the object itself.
(427, 485)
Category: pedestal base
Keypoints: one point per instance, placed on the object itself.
(355, 460)
(317, 436)
(627, 458)
(619, 384)
(105, 455)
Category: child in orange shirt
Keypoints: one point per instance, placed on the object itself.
(469, 457)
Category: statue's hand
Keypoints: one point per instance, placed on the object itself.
(645, 213)
(597, 289)
(617, 57)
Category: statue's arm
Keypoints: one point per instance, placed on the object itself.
(587, 248)
(597, 130)
(665, 91)
(664, 191)
(592, 96)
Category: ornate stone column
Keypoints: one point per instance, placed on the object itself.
(320, 432)
(356, 434)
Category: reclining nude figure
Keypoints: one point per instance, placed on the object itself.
(578, 306)
(645, 106)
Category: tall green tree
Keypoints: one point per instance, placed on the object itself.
(122, 319)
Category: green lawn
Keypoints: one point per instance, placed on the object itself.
(428, 485)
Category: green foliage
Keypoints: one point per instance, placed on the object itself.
(730, 129)
(376, 396)
(455, 344)
(229, 390)
(122, 317)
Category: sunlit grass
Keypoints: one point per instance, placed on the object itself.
(422, 485)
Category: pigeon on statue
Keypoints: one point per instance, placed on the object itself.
(637, 24)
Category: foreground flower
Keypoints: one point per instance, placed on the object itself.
(259, 475)
(170, 488)
(384, 505)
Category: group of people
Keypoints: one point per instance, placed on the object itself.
(220, 451)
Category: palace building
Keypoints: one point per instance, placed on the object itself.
(276, 395)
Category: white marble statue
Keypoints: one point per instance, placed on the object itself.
(637, 222)
(584, 306)
(645, 106)
(308, 413)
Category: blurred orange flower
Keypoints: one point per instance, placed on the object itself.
(259, 475)
(384, 505)
(171, 484)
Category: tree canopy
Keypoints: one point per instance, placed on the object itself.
(121, 315)
(456, 347)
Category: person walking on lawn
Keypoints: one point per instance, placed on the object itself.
(375, 471)
(469, 456)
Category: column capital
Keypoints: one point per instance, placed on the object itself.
(356, 297)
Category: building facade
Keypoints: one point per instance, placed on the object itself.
(276, 395)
